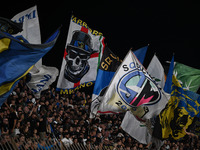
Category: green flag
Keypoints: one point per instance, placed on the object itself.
(188, 77)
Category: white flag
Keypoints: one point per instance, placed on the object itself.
(135, 127)
(141, 131)
(132, 89)
(82, 54)
(156, 70)
(41, 80)
(31, 29)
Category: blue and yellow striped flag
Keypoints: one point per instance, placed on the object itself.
(178, 114)
(17, 58)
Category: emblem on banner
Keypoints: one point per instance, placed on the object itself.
(135, 89)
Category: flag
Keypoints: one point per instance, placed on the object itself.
(84, 48)
(141, 53)
(17, 58)
(188, 77)
(137, 128)
(40, 76)
(178, 114)
(156, 70)
(141, 131)
(31, 28)
(132, 89)
(168, 83)
(41, 80)
(108, 66)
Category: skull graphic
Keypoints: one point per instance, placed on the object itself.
(78, 53)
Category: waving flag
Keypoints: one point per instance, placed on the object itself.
(31, 27)
(188, 77)
(17, 58)
(83, 51)
(156, 70)
(40, 81)
(136, 128)
(40, 76)
(132, 89)
(108, 66)
(141, 53)
(178, 114)
(168, 83)
(131, 124)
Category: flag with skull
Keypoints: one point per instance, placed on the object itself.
(84, 48)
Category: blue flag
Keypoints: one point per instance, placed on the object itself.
(141, 53)
(168, 83)
(17, 58)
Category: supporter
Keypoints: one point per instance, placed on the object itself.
(42, 124)
(5, 126)
(99, 138)
(12, 119)
(17, 129)
(34, 122)
(67, 141)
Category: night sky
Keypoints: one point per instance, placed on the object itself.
(167, 26)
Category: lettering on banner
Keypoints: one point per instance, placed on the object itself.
(28, 16)
(70, 91)
(41, 84)
(108, 61)
(121, 105)
(133, 65)
(84, 24)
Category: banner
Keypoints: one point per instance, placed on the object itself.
(136, 128)
(108, 65)
(31, 27)
(84, 48)
(156, 70)
(17, 58)
(188, 77)
(107, 68)
(40, 81)
(132, 89)
(178, 114)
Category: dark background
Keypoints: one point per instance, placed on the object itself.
(167, 26)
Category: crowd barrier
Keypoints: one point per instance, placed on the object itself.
(20, 143)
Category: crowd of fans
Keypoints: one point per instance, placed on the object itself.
(65, 119)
